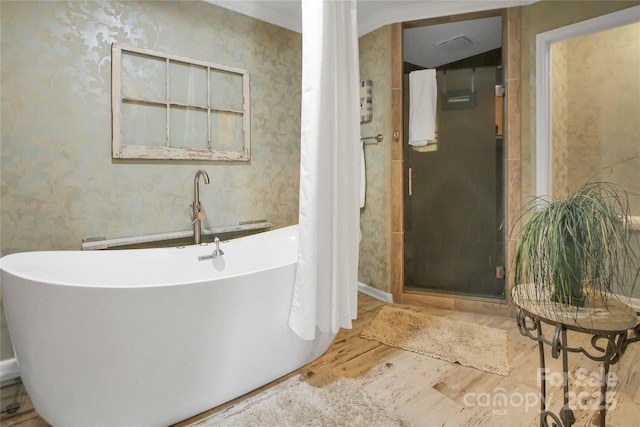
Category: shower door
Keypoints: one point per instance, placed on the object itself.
(454, 195)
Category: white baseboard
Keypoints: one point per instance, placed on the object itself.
(8, 369)
(375, 293)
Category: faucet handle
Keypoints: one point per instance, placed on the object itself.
(218, 251)
(198, 217)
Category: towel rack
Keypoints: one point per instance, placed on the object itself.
(378, 139)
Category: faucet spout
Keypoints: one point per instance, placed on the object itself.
(198, 215)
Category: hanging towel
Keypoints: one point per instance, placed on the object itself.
(363, 175)
(423, 95)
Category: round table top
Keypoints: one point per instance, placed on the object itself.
(599, 314)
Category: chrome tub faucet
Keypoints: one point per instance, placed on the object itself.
(198, 215)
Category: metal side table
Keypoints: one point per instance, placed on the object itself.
(612, 328)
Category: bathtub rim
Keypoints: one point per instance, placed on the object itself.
(10, 258)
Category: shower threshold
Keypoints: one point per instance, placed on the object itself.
(456, 302)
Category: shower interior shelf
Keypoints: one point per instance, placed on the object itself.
(94, 243)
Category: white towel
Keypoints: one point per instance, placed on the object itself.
(363, 175)
(423, 96)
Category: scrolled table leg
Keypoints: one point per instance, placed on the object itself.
(543, 377)
(603, 393)
(567, 415)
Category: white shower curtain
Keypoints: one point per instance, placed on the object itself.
(325, 293)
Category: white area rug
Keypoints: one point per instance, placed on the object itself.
(292, 403)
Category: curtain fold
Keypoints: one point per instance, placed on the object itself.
(325, 292)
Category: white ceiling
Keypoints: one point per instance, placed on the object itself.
(372, 14)
(429, 47)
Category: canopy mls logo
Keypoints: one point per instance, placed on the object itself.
(588, 396)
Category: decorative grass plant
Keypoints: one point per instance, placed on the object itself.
(580, 248)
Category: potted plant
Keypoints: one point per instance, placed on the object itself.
(579, 249)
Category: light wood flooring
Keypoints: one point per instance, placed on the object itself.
(429, 392)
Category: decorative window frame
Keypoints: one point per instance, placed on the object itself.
(120, 150)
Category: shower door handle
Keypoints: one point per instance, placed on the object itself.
(410, 181)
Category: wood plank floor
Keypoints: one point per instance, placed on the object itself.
(430, 392)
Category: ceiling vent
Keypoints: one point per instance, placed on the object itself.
(455, 43)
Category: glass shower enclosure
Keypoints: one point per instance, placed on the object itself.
(454, 191)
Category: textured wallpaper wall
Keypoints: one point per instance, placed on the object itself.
(537, 18)
(581, 158)
(375, 218)
(559, 120)
(59, 183)
(604, 106)
(596, 104)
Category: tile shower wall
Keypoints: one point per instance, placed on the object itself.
(58, 180)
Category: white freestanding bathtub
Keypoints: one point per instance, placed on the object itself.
(150, 337)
